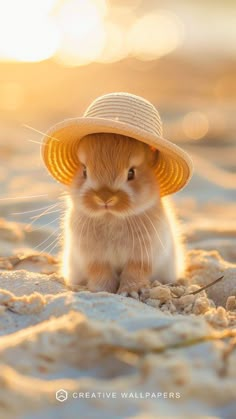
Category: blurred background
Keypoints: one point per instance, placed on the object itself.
(56, 56)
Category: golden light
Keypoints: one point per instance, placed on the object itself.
(155, 35)
(27, 32)
(82, 28)
(78, 32)
(11, 96)
(195, 125)
(115, 47)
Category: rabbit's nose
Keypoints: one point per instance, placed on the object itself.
(106, 202)
(105, 197)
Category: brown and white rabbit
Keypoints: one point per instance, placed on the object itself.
(119, 233)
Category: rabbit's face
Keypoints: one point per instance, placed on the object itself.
(116, 176)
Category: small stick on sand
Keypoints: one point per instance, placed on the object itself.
(206, 286)
(203, 288)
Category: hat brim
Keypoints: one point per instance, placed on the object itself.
(60, 145)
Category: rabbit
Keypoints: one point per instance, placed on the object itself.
(120, 235)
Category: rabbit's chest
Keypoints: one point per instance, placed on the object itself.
(113, 241)
(105, 243)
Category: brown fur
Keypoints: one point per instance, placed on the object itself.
(118, 233)
(105, 156)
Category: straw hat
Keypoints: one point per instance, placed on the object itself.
(118, 113)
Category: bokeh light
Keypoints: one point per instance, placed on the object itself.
(155, 34)
(195, 125)
(27, 31)
(115, 47)
(82, 30)
(77, 32)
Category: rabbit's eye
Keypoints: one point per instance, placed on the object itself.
(84, 172)
(131, 174)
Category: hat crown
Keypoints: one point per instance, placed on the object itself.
(127, 108)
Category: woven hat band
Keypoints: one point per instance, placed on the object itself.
(128, 109)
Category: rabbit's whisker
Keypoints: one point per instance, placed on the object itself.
(28, 212)
(22, 197)
(47, 224)
(150, 241)
(44, 241)
(40, 132)
(47, 213)
(155, 230)
(50, 244)
(140, 244)
(132, 234)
